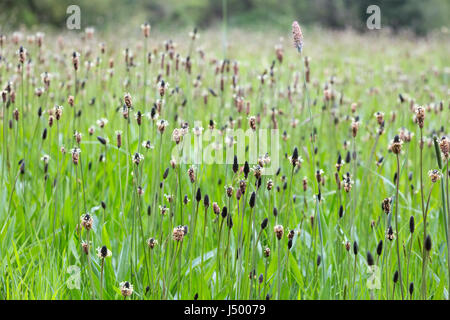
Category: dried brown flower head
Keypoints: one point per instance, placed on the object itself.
(179, 233)
(86, 221)
(396, 145)
(434, 175)
(216, 208)
(127, 100)
(269, 184)
(152, 243)
(279, 231)
(146, 27)
(355, 127)
(191, 174)
(75, 152)
(380, 117)
(386, 205)
(126, 289)
(103, 252)
(444, 145)
(297, 36)
(419, 116)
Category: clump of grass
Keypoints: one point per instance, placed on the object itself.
(121, 157)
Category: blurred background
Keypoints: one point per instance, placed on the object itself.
(417, 16)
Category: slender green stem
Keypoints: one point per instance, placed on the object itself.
(397, 229)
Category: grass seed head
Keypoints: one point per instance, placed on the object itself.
(390, 234)
(370, 260)
(355, 248)
(386, 205)
(380, 247)
(428, 243)
(146, 27)
(126, 288)
(264, 223)
(279, 231)
(198, 195)
(216, 208)
(224, 212)
(396, 276)
(419, 117)
(151, 243)
(297, 36)
(86, 221)
(444, 145)
(103, 252)
(434, 175)
(411, 224)
(252, 199)
(396, 145)
(229, 221)
(178, 233)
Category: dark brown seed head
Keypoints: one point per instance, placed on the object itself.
(341, 211)
(102, 140)
(396, 276)
(428, 243)
(229, 221)
(380, 247)
(411, 224)
(355, 248)
(390, 233)
(370, 261)
(289, 244)
(264, 223)
(291, 234)
(238, 194)
(252, 199)
(242, 186)
(235, 164)
(246, 169)
(206, 201)
(22, 167)
(224, 212)
(104, 252)
(166, 173)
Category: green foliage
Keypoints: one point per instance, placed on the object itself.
(419, 16)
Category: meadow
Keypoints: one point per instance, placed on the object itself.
(94, 204)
